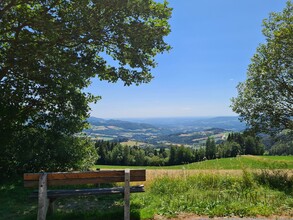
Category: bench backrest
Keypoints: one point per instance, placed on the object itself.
(78, 178)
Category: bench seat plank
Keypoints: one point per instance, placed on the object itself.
(78, 178)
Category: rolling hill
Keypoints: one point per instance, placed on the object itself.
(179, 131)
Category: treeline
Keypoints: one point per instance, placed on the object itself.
(240, 144)
(236, 144)
(282, 143)
(111, 153)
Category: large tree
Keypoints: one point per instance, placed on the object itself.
(51, 49)
(265, 99)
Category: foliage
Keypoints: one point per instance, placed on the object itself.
(241, 144)
(51, 49)
(283, 144)
(112, 153)
(37, 150)
(264, 100)
(277, 179)
(210, 148)
(116, 154)
(184, 155)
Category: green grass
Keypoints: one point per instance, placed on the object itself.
(237, 163)
(279, 158)
(252, 194)
(214, 195)
(15, 202)
(269, 193)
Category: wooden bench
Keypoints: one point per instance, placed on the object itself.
(47, 197)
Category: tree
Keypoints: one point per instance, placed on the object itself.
(265, 99)
(50, 51)
(210, 148)
(173, 159)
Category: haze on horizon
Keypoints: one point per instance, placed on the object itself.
(213, 42)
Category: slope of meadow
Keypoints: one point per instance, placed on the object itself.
(236, 163)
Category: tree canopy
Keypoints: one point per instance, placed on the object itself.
(265, 99)
(50, 50)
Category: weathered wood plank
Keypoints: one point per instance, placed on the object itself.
(84, 181)
(57, 179)
(75, 175)
(84, 175)
(43, 200)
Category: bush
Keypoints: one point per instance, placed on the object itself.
(276, 179)
(41, 150)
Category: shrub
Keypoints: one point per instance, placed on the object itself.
(276, 179)
(40, 150)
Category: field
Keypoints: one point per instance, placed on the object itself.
(209, 188)
(236, 163)
(133, 143)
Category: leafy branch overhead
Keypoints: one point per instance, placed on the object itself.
(51, 49)
(49, 52)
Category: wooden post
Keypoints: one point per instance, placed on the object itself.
(42, 197)
(127, 195)
(52, 207)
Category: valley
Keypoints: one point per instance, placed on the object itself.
(191, 132)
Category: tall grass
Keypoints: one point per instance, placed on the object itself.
(281, 180)
(213, 195)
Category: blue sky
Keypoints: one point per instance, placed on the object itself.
(213, 42)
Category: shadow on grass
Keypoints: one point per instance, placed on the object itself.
(93, 207)
(15, 204)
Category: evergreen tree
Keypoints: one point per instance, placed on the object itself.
(210, 148)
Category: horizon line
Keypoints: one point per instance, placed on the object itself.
(165, 117)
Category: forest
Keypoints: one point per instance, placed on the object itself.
(113, 153)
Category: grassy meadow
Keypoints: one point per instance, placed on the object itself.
(234, 163)
(209, 188)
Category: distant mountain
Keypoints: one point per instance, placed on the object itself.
(198, 123)
(228, 123)
(126, 125)
(195, 137)
(188, 131)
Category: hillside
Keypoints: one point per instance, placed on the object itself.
(235, 163)
(183, 131)
(126, 125)
(193, 123)
(118, 130)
